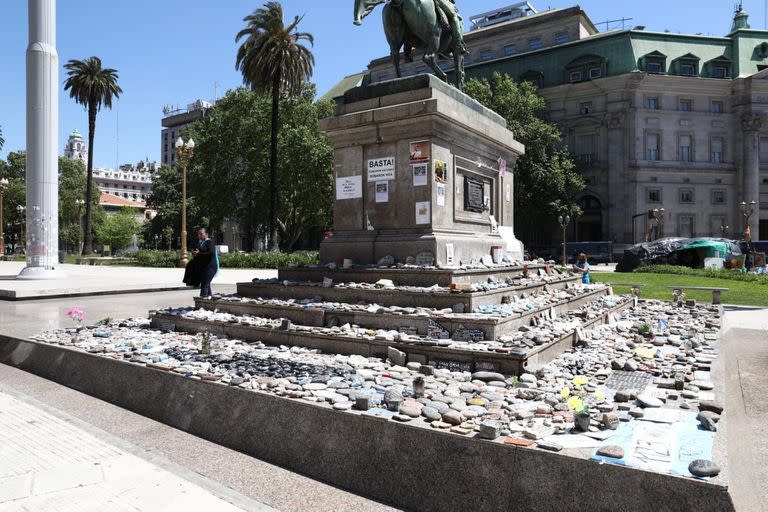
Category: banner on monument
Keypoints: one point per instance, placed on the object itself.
(349, 187)
(382, 191)
(381, 169)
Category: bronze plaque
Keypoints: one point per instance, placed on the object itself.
(473, 195)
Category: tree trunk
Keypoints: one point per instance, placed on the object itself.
(88, 242)
(273, 242)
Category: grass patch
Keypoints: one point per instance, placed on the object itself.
(743, 293)
(731, 275)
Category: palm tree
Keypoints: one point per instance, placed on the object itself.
(91, 86)
(2, 140)
(271, 59)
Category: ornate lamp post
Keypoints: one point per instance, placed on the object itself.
(3, 186)
(184, 152)
(658, 215)
(724, 230)
(747, 211)
(564, 221)
(80, 203)
(21, 210)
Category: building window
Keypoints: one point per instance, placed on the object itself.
(510, 49)
(686, 195)
(654, 68)
(719, 72)
(687, 69)
(534, 43)
(652, 145)
(686, 105)
(718, 225)
(718, 197)
(652, 103)
(685, 149)
(586, 148)
(653, 195)
(575, 76)
(486, 54)
(717, 150)
(585, 108)
(687, 226)
(717, 107)
(561, 37)
(595, 73)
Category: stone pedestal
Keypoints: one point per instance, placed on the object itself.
(419, 170)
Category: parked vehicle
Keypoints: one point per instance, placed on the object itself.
(597, 252)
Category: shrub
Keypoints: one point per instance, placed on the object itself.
(731, 275)
(158, 259)
(267, 259)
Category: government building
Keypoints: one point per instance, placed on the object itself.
(655, 120)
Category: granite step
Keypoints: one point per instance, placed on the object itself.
(435, 296)
(419, 321)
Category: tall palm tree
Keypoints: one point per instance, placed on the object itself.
(2, 140)
(91, 86)
(271, 59)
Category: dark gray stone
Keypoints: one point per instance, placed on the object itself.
(703, 467)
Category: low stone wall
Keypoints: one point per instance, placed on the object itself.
(412, 467)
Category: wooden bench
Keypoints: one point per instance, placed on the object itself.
(715, 291)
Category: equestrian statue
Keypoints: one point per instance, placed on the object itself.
(434, 26)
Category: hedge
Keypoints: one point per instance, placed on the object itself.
(169, 259)
(731, 275)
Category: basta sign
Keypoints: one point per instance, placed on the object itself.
(381, 169)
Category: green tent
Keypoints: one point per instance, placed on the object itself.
(708, 248)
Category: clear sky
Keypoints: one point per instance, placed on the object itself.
(173, 52)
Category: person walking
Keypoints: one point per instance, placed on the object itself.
(582, 267)
(207, 261)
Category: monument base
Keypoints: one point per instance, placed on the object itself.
(424, 175)
(40, 274)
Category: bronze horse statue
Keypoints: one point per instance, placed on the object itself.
(419, 24)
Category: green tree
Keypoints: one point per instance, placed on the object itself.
(271, 59)
(73, 187)
(13, 169)
(118, 229)
(546, 178)
(92, 86)
(165, 199)
(228, 179)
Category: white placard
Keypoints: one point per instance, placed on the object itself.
(382, 191)
(423, 210)
(508, 193)
(420, 174)
(440, 194)
(349, 187)
(381, 169)
(494, 224)
(450, 255)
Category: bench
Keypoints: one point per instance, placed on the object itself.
(715, 291)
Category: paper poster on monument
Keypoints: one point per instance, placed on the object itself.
(502, 167)
(349, 187)
(381, 169)
(441, 194)
(441, 171)
(420, 174)
(382, 192)
(423, 210)
(450, 255)
(420, 151)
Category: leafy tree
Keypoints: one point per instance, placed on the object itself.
(118, 229)
(13, 169)
(165, 198)
(73, 187)
(546, 179)
(92, 86)
(271, 59)
(228, 177)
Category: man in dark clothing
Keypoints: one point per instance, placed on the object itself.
(206, 260)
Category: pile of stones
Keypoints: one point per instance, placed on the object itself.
(653, 356)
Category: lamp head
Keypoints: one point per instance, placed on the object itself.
(4, 183)
(179, 143)
(190, 144)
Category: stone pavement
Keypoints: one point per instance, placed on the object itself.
(85, 280)
(48, 462)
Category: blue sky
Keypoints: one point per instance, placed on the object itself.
(173, 52)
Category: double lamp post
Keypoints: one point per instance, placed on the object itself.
(3, 185)
(184, 152)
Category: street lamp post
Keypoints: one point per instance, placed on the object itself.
(184, 152)
(21, 210)
(79, 203)
(3, 186)
(747, 211)
(658, 215)
(564, 221)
